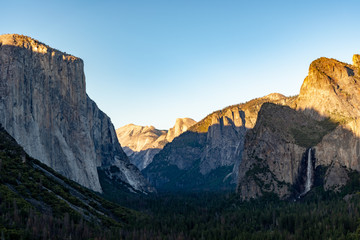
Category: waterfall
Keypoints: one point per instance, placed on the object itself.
(309, 174)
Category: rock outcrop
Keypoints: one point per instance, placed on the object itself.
(275, 150)
(141, 144)
(44, 106)
(324, 117)
(331, 89)
(207, 156)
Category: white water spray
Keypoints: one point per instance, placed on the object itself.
(309, 174)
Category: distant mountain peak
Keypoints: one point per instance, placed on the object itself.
(356, 60)
(274, 96)
(141, 143)
(181, 125)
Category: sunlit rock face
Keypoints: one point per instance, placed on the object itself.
(44, 106)
(356, 60)
(332, 90)
(141, 144)
(324, 117)
(207, 156)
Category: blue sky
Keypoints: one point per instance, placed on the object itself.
(150, 62)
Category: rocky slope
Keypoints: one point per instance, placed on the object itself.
(141, 144)
(276, 151)
(208, 154)
(323, 118)
(44, 106)
(38, 203)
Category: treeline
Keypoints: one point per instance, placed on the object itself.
(38, 203)
(199, 216)
(43, 205)
(219, 216)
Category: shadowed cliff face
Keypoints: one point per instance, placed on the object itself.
(141, 144)
(274, 150)
(207, 156)
(44, 106)
(324, 117)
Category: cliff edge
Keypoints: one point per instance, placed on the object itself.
(44, 106)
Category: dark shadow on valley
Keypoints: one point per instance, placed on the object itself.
(189, 145)
(176, 168)
(167, 175)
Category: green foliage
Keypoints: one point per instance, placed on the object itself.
(352, 184)
(177, 180)
(312, 134)
(319, 214)
(225, 216)
(38, 203)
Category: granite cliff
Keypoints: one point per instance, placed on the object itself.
(317, 133)
(141, 144)
(44, 106)
(207, 156)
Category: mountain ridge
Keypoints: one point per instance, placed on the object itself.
(328, 99)
(142, 143)
(210, 151)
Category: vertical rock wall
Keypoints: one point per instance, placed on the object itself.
(44, 106)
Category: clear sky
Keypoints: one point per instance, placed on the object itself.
(149, 62)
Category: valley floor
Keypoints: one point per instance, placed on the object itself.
(319, 215)
(38, 203)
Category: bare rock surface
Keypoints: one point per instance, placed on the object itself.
(324, 117)
(274, 150)
(208, 155)
(44, 106)
(141, 144)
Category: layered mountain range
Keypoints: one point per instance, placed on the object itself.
(207, 156)
(141, 144)
(317, 136)
(44, 106)
(274, 144)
